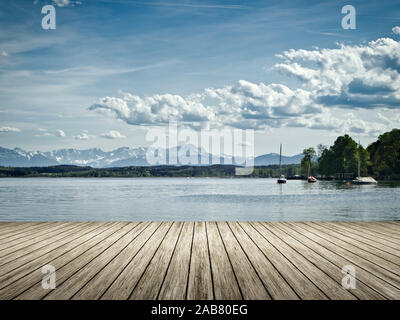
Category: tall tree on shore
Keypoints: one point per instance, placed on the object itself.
(385, 155)
(342, 158)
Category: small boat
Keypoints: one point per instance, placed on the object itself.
(312, 179)
(362, 180)
(282, 178)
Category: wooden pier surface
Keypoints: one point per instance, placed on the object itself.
(197, 260)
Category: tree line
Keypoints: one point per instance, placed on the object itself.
(381, 159)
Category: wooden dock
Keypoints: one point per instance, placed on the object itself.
(197, 260)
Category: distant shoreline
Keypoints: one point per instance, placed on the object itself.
(214, 171)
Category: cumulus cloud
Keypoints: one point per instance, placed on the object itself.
(364, 76)
(113, 134)
(350, 76)
(60, 133)
(9, 129)
(156, 109)
(84, 135)
(245, 104)
(396, 30)
(348, 124)
(65, 3)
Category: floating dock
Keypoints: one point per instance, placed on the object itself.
(200, 260)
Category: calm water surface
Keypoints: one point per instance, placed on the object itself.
(105, 199)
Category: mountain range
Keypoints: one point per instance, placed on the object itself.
(121, 157)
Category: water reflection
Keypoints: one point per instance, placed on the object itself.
(195, 199)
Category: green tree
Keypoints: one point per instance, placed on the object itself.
(308, 165)
(342, 158)
(385, 155)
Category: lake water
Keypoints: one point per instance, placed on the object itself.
(106, 199)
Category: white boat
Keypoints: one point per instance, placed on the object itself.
(282, 178)
(362, 180)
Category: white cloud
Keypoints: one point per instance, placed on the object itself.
(113, 134)
(61, 133)
(9, 129)
(4, 53)
(346, 124)
(364, 76)
(351, 76)
(396, 30)
(245, 104)
(84, 135)
(65, 3)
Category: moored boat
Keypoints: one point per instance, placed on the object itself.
(312, 179)
(362, 180)
(282, 178)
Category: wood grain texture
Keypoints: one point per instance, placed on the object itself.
(200, 285)
(176, 280)
(200, 260)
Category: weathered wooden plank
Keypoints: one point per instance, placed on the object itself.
(18, 271)
(46, 245)
(224, 279)
(389, 227)
(371, 233)
(275, 284)
(21, 229)
(176, 280)
(6, 227)
(332, 270)
(68, 288)
(366, 252)
(67, 270)
(4, 224)
(96, 287)
(387, 248)
(224, 260)
(28, 240)
(122, 287)
(200, 286)
(303, 287)
(151, 281)
(26, 275)
(378, 230)
(323, 249)
(325, 283)
(332, 245)
(249, 281)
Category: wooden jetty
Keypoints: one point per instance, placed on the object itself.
(200, 260)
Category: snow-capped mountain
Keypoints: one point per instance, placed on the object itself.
(121, 157)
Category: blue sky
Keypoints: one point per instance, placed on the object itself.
(53, 82)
